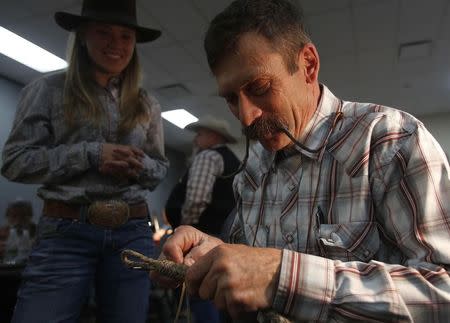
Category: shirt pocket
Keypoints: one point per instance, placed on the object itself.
(352, 241)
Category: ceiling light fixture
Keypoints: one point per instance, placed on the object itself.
(179, 117)
(29, 54)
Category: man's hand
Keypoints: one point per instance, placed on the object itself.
(186, 246)
(238, 278)
(121, 161)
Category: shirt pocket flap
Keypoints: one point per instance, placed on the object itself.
(350, 241)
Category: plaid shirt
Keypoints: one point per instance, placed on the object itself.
(364, 221)
(206, 166)
(42, 149)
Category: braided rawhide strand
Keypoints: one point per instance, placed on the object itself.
(177, 272)
(136, 260)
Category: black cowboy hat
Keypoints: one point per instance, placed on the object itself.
(121, 12)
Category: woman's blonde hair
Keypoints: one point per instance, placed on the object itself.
(80, 98)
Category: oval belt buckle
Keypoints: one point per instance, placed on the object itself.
(109, 214)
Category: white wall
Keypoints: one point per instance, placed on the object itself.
(9, 191)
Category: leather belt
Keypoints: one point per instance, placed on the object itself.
(109, 214)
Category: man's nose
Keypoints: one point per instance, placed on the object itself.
(248, 111)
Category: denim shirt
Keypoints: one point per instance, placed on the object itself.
(43, 149)
(363, 219)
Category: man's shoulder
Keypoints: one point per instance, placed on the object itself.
(211, 154)
(370, 131)
(377, 119)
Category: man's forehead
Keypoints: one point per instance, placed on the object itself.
(247, 60)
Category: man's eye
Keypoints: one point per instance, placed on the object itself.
(259, 88)
(231, 100)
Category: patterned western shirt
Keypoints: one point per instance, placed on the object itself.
(42, 149)
(362, 216)
(206, 166)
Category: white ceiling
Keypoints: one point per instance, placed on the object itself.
(358, 42)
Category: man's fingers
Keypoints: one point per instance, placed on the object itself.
(198, 278)
(202, 248)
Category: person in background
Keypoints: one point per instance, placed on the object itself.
(204, 196)
(343, 208)
(93, 138)
(19, 215)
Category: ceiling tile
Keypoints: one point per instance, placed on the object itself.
(420, 20)
(209, 9)
(179, 18)
(154, 75)
(378, 63)
(177, 62)
(19, 10)
(375, 25)
(203, 86)
(314, 7)
(338, 72)
(146, 19)
(332, 32)
(196, 50)
(444, 32)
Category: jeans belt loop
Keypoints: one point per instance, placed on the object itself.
(84, 213)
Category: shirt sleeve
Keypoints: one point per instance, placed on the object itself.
(155, 162)
(413, 211)
(206, 166)
(28, 154)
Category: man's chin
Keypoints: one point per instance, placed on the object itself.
(275, 142)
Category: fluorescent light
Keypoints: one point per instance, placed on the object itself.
(29, 54)
(180, 117)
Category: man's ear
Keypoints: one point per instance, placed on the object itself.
(309, 62)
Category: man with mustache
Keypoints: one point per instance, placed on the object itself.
(342, 207)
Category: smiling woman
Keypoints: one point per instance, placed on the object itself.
(93, 138)
(110, 48)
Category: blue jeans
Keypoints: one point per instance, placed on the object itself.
(204, 311)
(69, 257)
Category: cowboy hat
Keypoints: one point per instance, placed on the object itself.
(121, 12)
(216, 125)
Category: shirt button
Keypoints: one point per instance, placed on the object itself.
(289, 238)
(366, 253)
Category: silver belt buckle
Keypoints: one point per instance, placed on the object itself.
(109, 214)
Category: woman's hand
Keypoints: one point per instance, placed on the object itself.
(121, 161)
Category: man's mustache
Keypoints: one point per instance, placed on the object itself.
(263, 126)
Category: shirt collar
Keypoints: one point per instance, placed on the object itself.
(315, 136)
(319, 128)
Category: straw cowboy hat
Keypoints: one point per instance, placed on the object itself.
(121, 12)
(216, 125)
